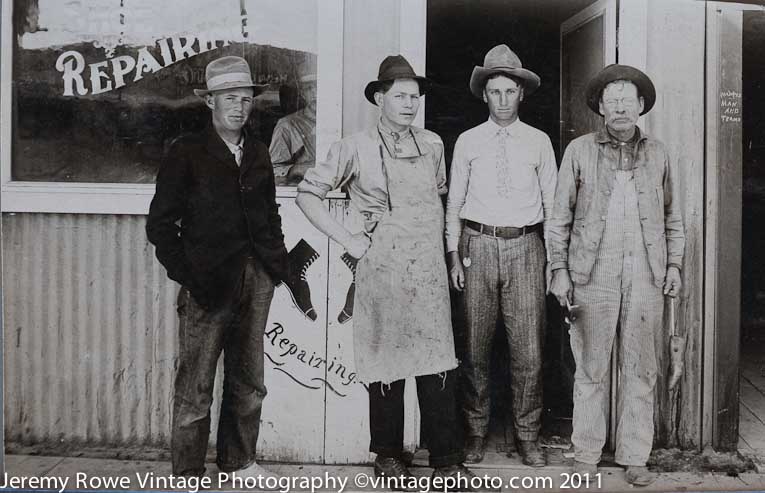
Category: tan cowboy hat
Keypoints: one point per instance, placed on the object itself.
(228, 72)
(392, 68)
(616, 72)
(502, 60)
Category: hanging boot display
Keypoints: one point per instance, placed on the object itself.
(301, 257)
(347, 312)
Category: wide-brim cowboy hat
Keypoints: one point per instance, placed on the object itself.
(502, 60)
(616, 72)
(392, 68)
(228, 72)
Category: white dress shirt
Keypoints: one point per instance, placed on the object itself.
(500, 176)
(236, 149)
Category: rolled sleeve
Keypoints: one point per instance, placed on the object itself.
(455, 200)
(331, 173)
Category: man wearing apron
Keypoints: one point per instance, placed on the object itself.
(394, 174)
(616, 231)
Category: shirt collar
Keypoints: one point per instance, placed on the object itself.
(234, 147)
(493, 128)
(387, 132)
(603, 136)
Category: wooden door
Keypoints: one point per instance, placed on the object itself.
(723, 225)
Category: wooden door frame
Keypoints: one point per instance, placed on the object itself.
(722, 264)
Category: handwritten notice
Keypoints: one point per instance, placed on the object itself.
(730, 107)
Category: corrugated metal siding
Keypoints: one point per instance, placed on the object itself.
(90, 331)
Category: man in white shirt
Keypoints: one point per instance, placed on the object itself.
(503, 177)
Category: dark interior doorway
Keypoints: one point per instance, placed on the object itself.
(459, 33)
(752, 404)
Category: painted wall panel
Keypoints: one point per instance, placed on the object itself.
(91, 338)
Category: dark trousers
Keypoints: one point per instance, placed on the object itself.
(235, 327)
(438, 411)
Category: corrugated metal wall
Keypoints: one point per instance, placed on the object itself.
(90, 331)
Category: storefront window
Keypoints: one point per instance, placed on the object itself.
(100, 88)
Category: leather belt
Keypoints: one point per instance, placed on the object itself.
(507, 232)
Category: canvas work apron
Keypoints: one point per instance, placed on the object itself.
(402, 317)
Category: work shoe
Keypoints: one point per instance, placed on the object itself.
(399, 477)
(474, 450)
(458, 478)
(301, 257)
(639, 476)
(265, 479)
(347, 312)
(531, 454)
(583, 468)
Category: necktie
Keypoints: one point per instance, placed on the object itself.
(238, 155)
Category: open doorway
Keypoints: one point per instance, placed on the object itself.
(532, 31)
(752, 392)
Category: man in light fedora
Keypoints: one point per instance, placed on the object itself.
(501, 192)
(617, 233)
(394, 174)
(215, 224)
(293, 142)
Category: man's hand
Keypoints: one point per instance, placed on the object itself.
(672, 282)
(297, 171)
(357, 245)
(561, 286)
(456, 273)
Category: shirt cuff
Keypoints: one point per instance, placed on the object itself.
(679, 267)
(560, 264)
(452, 243)
(281, 169)
(320, 191)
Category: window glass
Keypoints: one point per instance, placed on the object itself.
(102, 87)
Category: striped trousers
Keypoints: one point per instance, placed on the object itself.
(504, 276)
(620, 293)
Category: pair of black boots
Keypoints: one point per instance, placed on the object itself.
(301, 257)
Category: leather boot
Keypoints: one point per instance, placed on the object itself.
(398, 476)
(458, 478)
(347, 312)
(639, 476)
(531, 454)
(474, 450)
(301, 257)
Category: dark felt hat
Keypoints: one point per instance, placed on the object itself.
(502, 60)
(392, 68)
(616, 72)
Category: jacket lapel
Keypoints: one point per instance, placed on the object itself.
(249, 155)
(218, 149)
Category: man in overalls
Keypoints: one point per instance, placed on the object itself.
(394, 174)
(616, 231)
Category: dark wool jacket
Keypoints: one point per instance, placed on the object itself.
(208, 215)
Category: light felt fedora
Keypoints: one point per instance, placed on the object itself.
(616, 72)
(392, 68)
(502, 60)
(228, 72)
